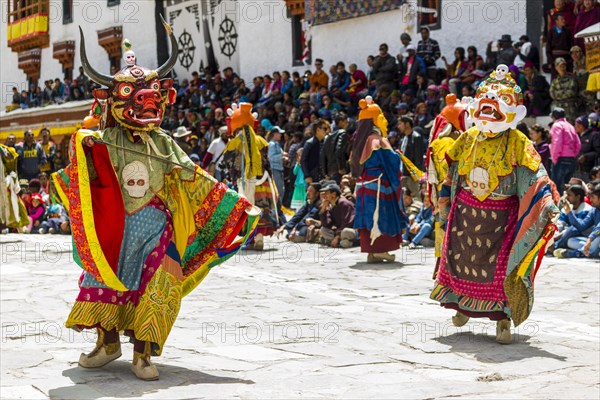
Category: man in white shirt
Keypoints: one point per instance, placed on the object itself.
(214, 152)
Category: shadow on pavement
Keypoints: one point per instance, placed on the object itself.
(117, 380)
(485, 348)
(365, 266)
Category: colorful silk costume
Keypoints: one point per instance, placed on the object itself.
(502, 205)
(380, 216)
(147, 224)
(447, 126)
(13, 213)
(255, 182)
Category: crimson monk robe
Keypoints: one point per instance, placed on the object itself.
(501, 213)
(148, 224)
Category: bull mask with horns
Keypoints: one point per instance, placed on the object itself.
(136, 96)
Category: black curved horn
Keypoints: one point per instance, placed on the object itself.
(94, 75)
(164, 69)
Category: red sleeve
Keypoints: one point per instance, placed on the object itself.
(207, 159)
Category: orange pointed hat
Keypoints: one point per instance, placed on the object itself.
(455, 112)
(370, 110)
(241, 116)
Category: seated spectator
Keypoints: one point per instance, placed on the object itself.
(58, 91)
(564, 7)
(44, 184)
(475, 68)
(588, 15)
(36, 212)
(595, 173)
(267, 90)
(297, 226)
(422, 115)
(537, 92)
(286, 83)
(432, 100)
(526, 51)
(35, 186)
(581, 74)
(541, 142)
(582, 246)
(195, 159)
(559, 42)
(422, 227)
(347, 186)
(56, 221)
(411, 206)
(357, 88)
(411, 66)
(24, 101)
(564, 90)
(506, 52)
(337, 219)
(341, 101)
(455, 70)
(392, 137)
(342, 77)
(319, 78)
(468, 91)
(422, 85)
(575, 195)
(444, 91)
(516, 74)
(589, 153)
(328, 105)
(408, 97)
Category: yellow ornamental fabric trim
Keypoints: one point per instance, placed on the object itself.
(109, 316)
(498, 156)
(89, 225)
(198, 276)
(183, 215)
(61, 194)
(183, 199)
(157, 309)
(439, 148)
(11, 150)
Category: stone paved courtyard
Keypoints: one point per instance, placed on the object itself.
(302, 321)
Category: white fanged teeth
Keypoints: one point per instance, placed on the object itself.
(488, 109)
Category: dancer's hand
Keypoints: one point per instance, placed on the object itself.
(88, 141)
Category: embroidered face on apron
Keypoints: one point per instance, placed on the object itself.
(479, 181)
(136, 180)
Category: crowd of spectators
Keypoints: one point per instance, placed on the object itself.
(36, 160)
(54, 92)
(309, 119)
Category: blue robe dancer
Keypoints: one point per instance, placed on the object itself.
(380, 217)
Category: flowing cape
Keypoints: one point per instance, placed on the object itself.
(207, 216)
